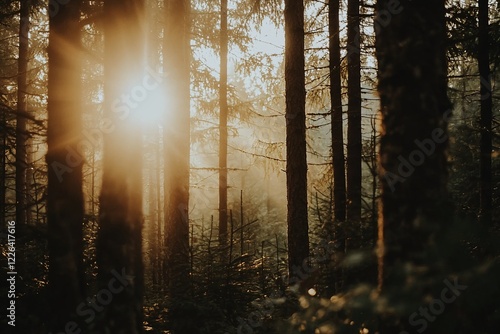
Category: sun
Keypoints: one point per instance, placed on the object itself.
(154, 108)
(148, 99)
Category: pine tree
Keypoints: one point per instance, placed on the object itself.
(354, 144)
(119, 240)
(65, 196)
(339, 190)
(338, 158)
(177, 144)
(415, 113)
(296, 161)
(486, 186)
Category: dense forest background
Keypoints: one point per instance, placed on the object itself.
(254, 166)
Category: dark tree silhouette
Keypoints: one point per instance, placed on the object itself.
(339, 188)
(337, 128)
(177, 139)
(354, 145)
(415, 111)
(65, 196)
(296, 161)
(486, 185)
(119, 240)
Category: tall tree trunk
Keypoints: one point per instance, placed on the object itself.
(152, 226)
(223, 125)
(338, 158)
(486, 116)
(415, 113)
(374, 174)
(65, 201)
(339, 188)
(22, 110)
(296, 160)
(177, 145)
(354, 123)
(159, 204)
(119, 240)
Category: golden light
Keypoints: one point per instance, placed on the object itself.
(146, 101)
(311, 292)
(152, 110)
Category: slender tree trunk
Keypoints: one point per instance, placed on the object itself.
(339, 188)
(486, 189)
(223, 125)
(177, 145)
(231, 246)
(119, 240)
(166, 198)
(22, 111)
(65, 201)
(374, 172)
(153, 246)
(338, 159)
(415, 113)
(296, 160)
(354, 123)
(159, 204)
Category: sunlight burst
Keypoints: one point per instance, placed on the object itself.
(147, 99)
(152, 110)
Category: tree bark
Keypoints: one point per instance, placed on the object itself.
(65, 201)
(119, 240)
(177, 145)
(338, 158)
(486, 184)
(296, 160)
(354, 123)
(415, 112)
